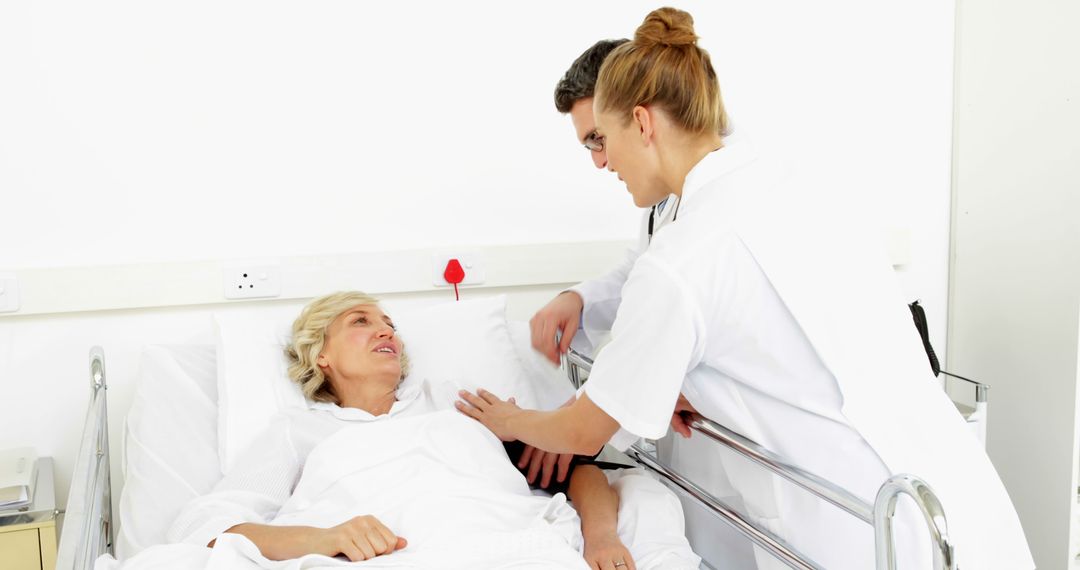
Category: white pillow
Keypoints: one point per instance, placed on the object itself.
(552, 385)
(170, 451)
(466, 342)
(253, 384)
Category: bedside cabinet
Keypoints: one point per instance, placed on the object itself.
(28, 536)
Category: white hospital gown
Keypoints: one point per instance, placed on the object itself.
(650, 516)
(267, 472)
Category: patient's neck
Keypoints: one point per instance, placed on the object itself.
(373, 395)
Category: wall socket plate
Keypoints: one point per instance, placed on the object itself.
(9, 293)
(471, 261)
(251, 281)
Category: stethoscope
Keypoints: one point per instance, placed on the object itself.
(652, 214)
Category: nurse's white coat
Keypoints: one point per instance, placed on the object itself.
(788, 326)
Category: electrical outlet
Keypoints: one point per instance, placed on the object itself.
(9, 293)
(471, 261)
(242, 281)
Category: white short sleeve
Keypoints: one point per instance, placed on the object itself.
(622, 439)
(655, 341)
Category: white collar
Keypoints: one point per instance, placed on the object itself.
(406, 395)
(715, 165)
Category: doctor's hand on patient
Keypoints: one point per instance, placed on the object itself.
(562, 314)
(489, 410)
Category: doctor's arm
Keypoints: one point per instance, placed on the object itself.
(581, 428)
(637, 379)
(593, 303)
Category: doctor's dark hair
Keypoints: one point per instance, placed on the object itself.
(664, 67)
(579, 82)
(309, 338)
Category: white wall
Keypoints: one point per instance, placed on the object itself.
(1016, 248)
(136, 132)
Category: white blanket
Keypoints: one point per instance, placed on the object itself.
(442, 481)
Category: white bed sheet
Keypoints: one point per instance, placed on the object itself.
(170, 451)
(442, 481)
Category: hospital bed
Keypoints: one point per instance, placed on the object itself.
(88, 529)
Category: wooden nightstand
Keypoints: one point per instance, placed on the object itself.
(28, 536)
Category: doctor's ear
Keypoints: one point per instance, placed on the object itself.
(645, 122)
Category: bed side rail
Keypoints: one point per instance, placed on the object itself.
(87, 531)
(978, 417)
(763, 538)
(880, 515)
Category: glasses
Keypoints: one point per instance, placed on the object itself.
(594, 142)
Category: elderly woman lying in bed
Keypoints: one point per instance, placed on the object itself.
(394, 476)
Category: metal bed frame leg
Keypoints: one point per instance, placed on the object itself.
(97, 377)
(932, 511)
(88, 530)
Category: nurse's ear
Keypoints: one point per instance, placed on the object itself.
(645, 121)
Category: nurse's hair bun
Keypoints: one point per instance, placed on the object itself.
(663, 67)
(667, 27)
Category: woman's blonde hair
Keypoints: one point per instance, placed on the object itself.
(663, 66)
(309, 338)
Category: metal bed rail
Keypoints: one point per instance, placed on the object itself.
(879, 515)
(977, 417)
(87, 531)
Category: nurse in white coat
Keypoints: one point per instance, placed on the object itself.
(772, 318)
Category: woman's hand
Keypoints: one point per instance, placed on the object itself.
(544, 463)
(677, 422)
(360, 538)
(562, 314)
(489, 410)
(608, 553)
(540, 462)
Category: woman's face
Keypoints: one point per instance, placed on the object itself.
(632, 154)
(361, 344)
